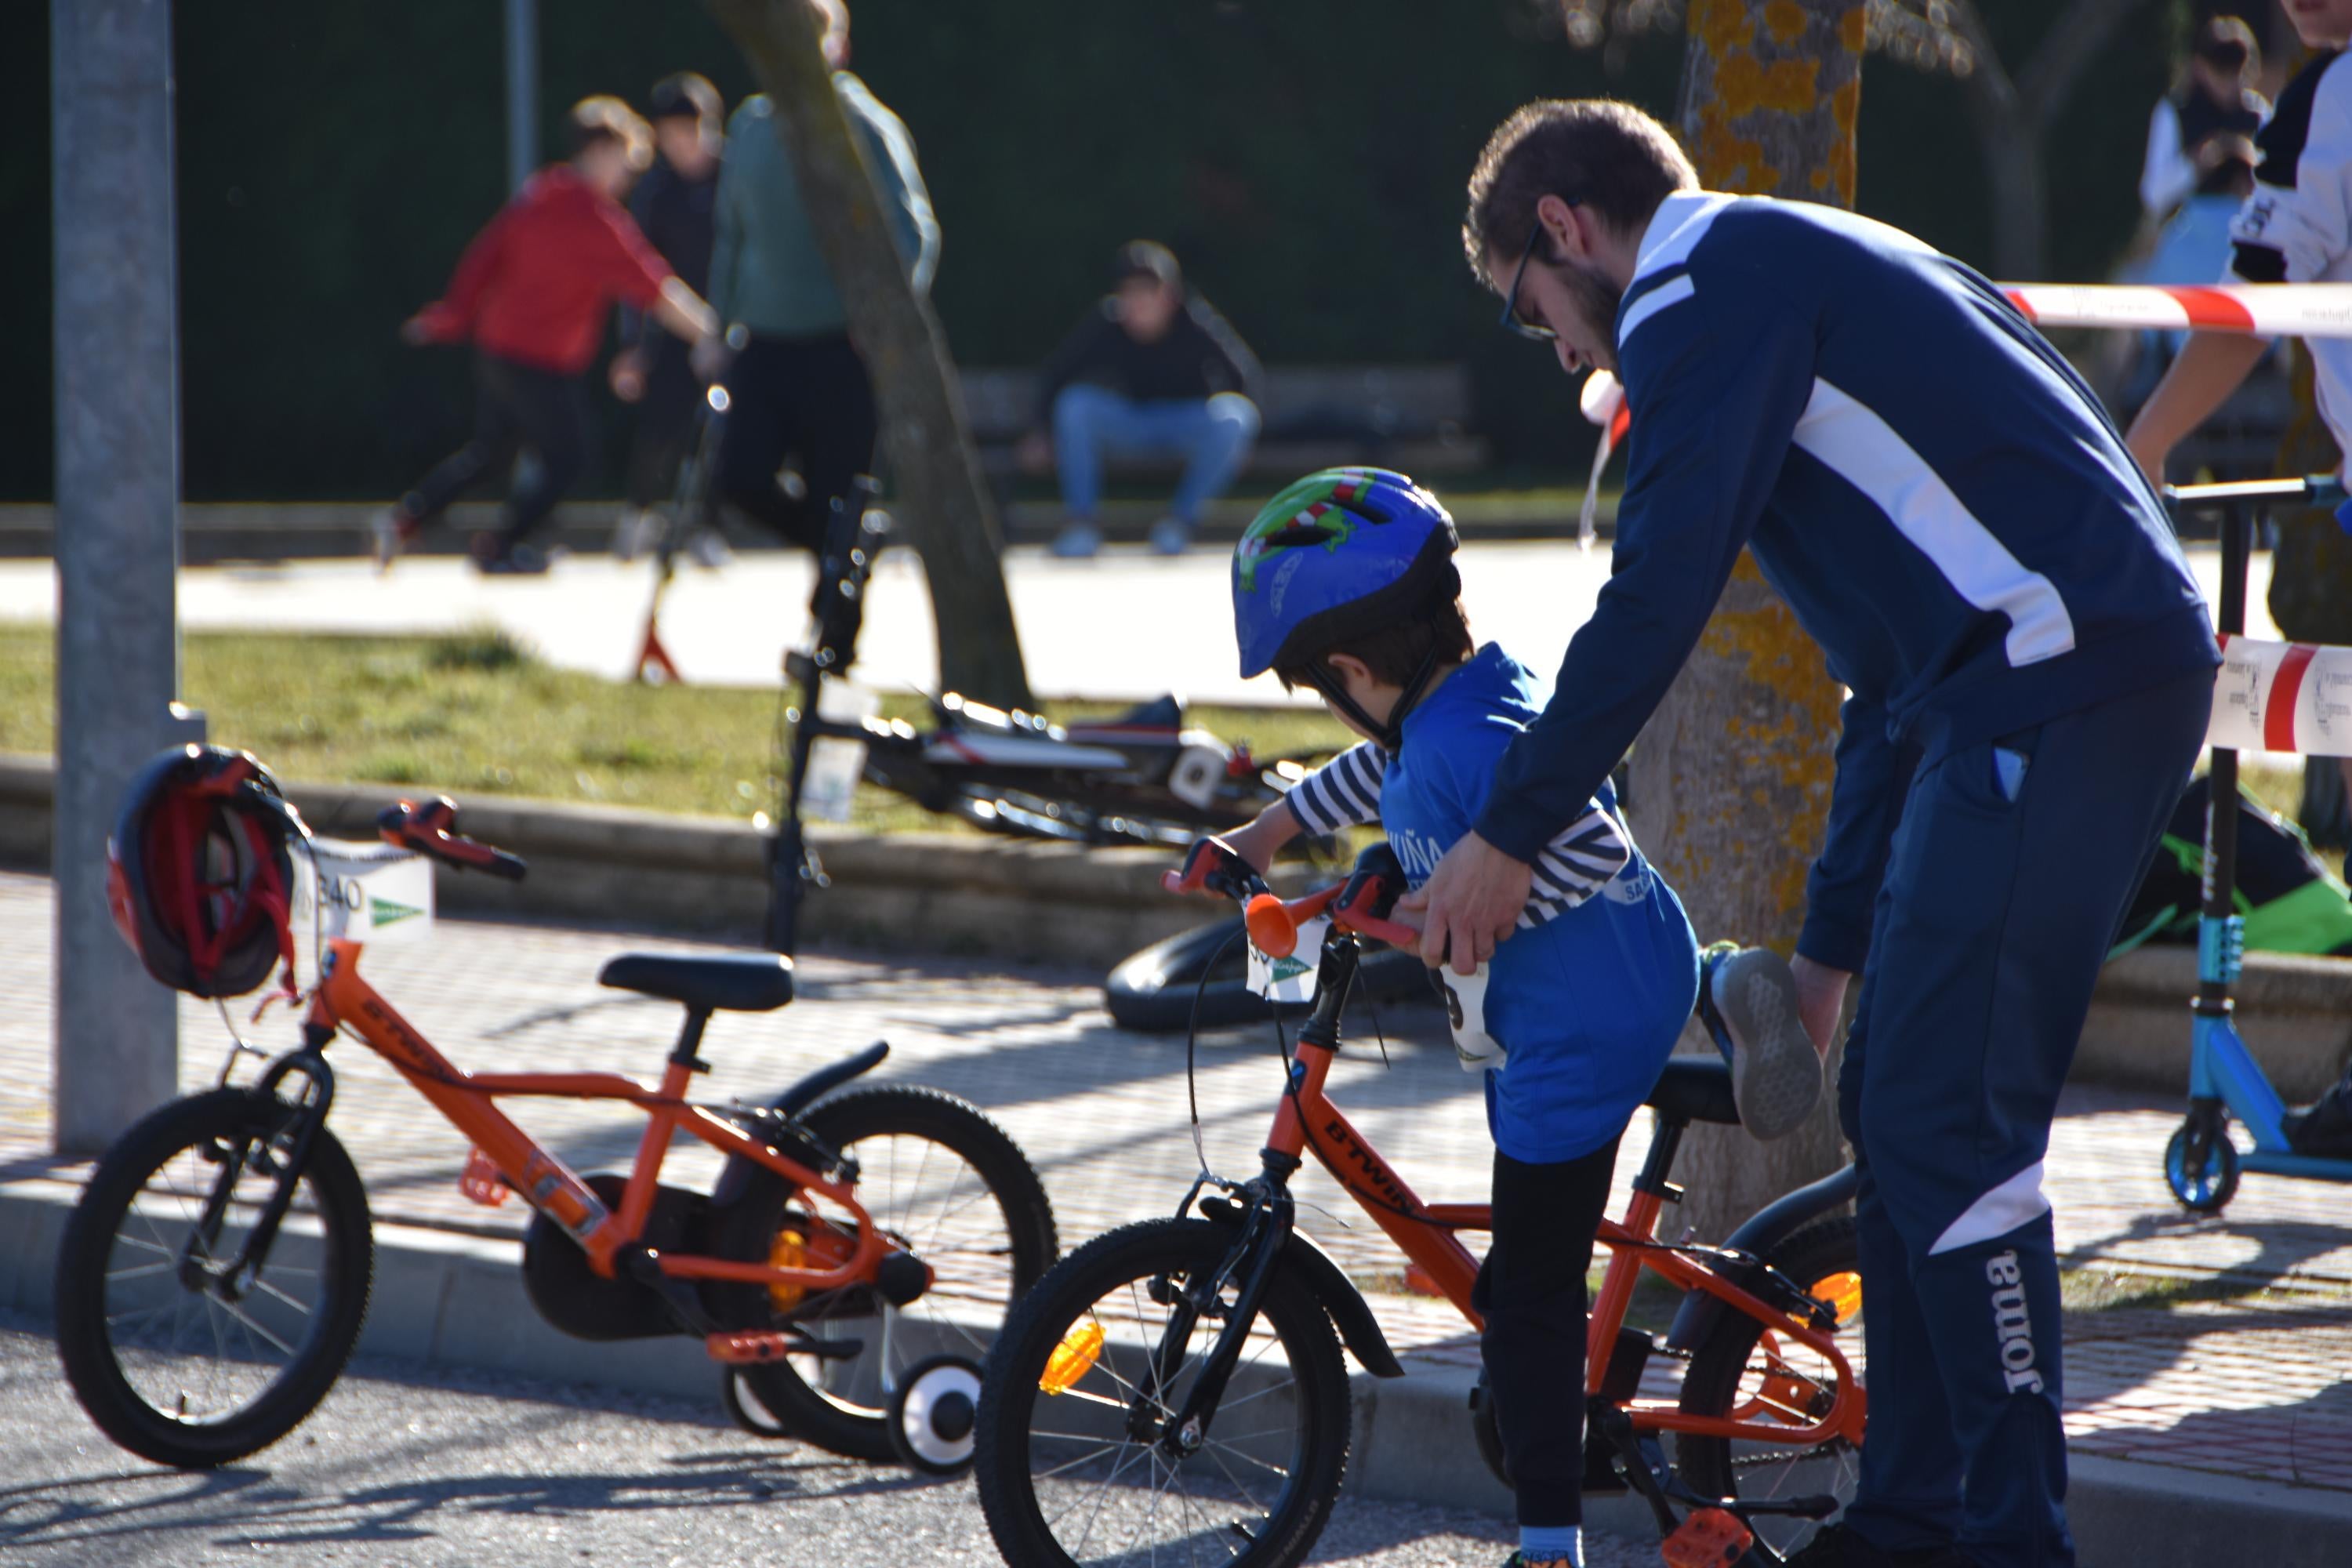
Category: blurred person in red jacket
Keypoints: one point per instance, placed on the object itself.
(532, 294)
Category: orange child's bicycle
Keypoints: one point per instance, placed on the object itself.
(1174, 1391)
(854, 1256)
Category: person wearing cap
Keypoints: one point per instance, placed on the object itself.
(532, 293)
(1152, 371)
(798, 384)
(2216, 99)
(674, 206)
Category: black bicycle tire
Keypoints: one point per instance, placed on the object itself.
(1009, 1388)
(1153, 990)
(1824, 1248)
(839, 1122)
(83, 1255)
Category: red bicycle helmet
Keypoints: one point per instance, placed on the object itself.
(200, 873)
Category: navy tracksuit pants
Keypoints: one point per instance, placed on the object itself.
(2005, 882)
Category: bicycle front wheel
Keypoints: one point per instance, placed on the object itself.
(174, 1360)
(943, 1181)
(1741, 1370)
(1097, 1359)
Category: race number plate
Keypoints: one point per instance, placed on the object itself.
(835, 765)
(363, 892)
(1291, 979)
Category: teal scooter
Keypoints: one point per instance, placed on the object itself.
(2201, 1164)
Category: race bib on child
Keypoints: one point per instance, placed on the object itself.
(1466, 1014)
(1291, 979)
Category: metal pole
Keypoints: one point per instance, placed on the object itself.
(522, 91)
(118, 488)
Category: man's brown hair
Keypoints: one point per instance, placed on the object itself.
(1606, 156)
(1394, 653)
(605, 118)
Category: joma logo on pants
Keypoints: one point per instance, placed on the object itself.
(2011, 1322)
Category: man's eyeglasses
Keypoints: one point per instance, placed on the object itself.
(1512, 320)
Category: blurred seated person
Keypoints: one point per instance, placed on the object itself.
(2217, 99)
(1153, 371)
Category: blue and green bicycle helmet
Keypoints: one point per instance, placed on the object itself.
(1338, 554)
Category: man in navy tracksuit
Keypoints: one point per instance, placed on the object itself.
(1943, 503)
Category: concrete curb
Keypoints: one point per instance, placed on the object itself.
(1004, 898)
(456, 1301)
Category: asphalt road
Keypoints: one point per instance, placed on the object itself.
(404, 1467)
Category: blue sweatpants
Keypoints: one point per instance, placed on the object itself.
(2010, 872)
(1212, 436)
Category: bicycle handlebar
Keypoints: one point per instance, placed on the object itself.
(430, 829)
(1212, 866)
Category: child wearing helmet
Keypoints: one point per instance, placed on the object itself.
(1346, 583)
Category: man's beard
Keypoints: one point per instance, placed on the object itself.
(1597, 300)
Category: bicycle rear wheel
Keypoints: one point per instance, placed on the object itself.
(1739, 1368)
(940, 1178)
(173, 1362)
(1066, 1449)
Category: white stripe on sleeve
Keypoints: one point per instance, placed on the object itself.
(1343, 793)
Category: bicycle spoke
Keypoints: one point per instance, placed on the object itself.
(1097, 1452)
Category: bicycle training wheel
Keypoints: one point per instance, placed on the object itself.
(1738, 1370)
(172, 1361)
(1067, 1456)
(942, 1179)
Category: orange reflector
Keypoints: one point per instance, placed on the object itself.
(1271, 930)
(790, 1251)
(1842, 1293)
(1073, 1358)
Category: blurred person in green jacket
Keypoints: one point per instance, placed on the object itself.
(798, 386)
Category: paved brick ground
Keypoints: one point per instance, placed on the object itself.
(2256, 1384)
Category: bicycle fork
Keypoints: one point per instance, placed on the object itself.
(228, 1281)
(1267, 1218)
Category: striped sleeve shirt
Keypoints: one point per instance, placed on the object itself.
(1577, 863)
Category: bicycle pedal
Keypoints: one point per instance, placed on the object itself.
(750, 1345)
(1710, 1538)
(480, 1181)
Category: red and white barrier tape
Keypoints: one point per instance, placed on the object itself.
(2284, 696)
(2267, 310)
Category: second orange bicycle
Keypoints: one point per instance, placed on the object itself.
(851, 1262)
(1174, 1390)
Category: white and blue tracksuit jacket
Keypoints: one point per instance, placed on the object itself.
(1943, 503)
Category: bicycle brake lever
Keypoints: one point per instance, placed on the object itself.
(1213, 866)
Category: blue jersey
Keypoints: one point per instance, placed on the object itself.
(1921, 476)
(1589, 996)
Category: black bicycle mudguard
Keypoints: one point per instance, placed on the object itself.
(1358, 1330)
(1764, 1230)
(825, 1079)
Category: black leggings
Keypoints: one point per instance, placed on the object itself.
(515, 406)
(1531, 1293)
(805, 396)
(664, 422)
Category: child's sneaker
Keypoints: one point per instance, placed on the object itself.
(1776, 1073)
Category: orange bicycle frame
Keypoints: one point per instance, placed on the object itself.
(345, 1000)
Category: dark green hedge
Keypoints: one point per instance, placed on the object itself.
(1305, 157)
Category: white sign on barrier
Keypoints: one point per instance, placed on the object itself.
(2283, 697)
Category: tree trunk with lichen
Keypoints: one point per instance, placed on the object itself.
(1730, 783)
(946, 510)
